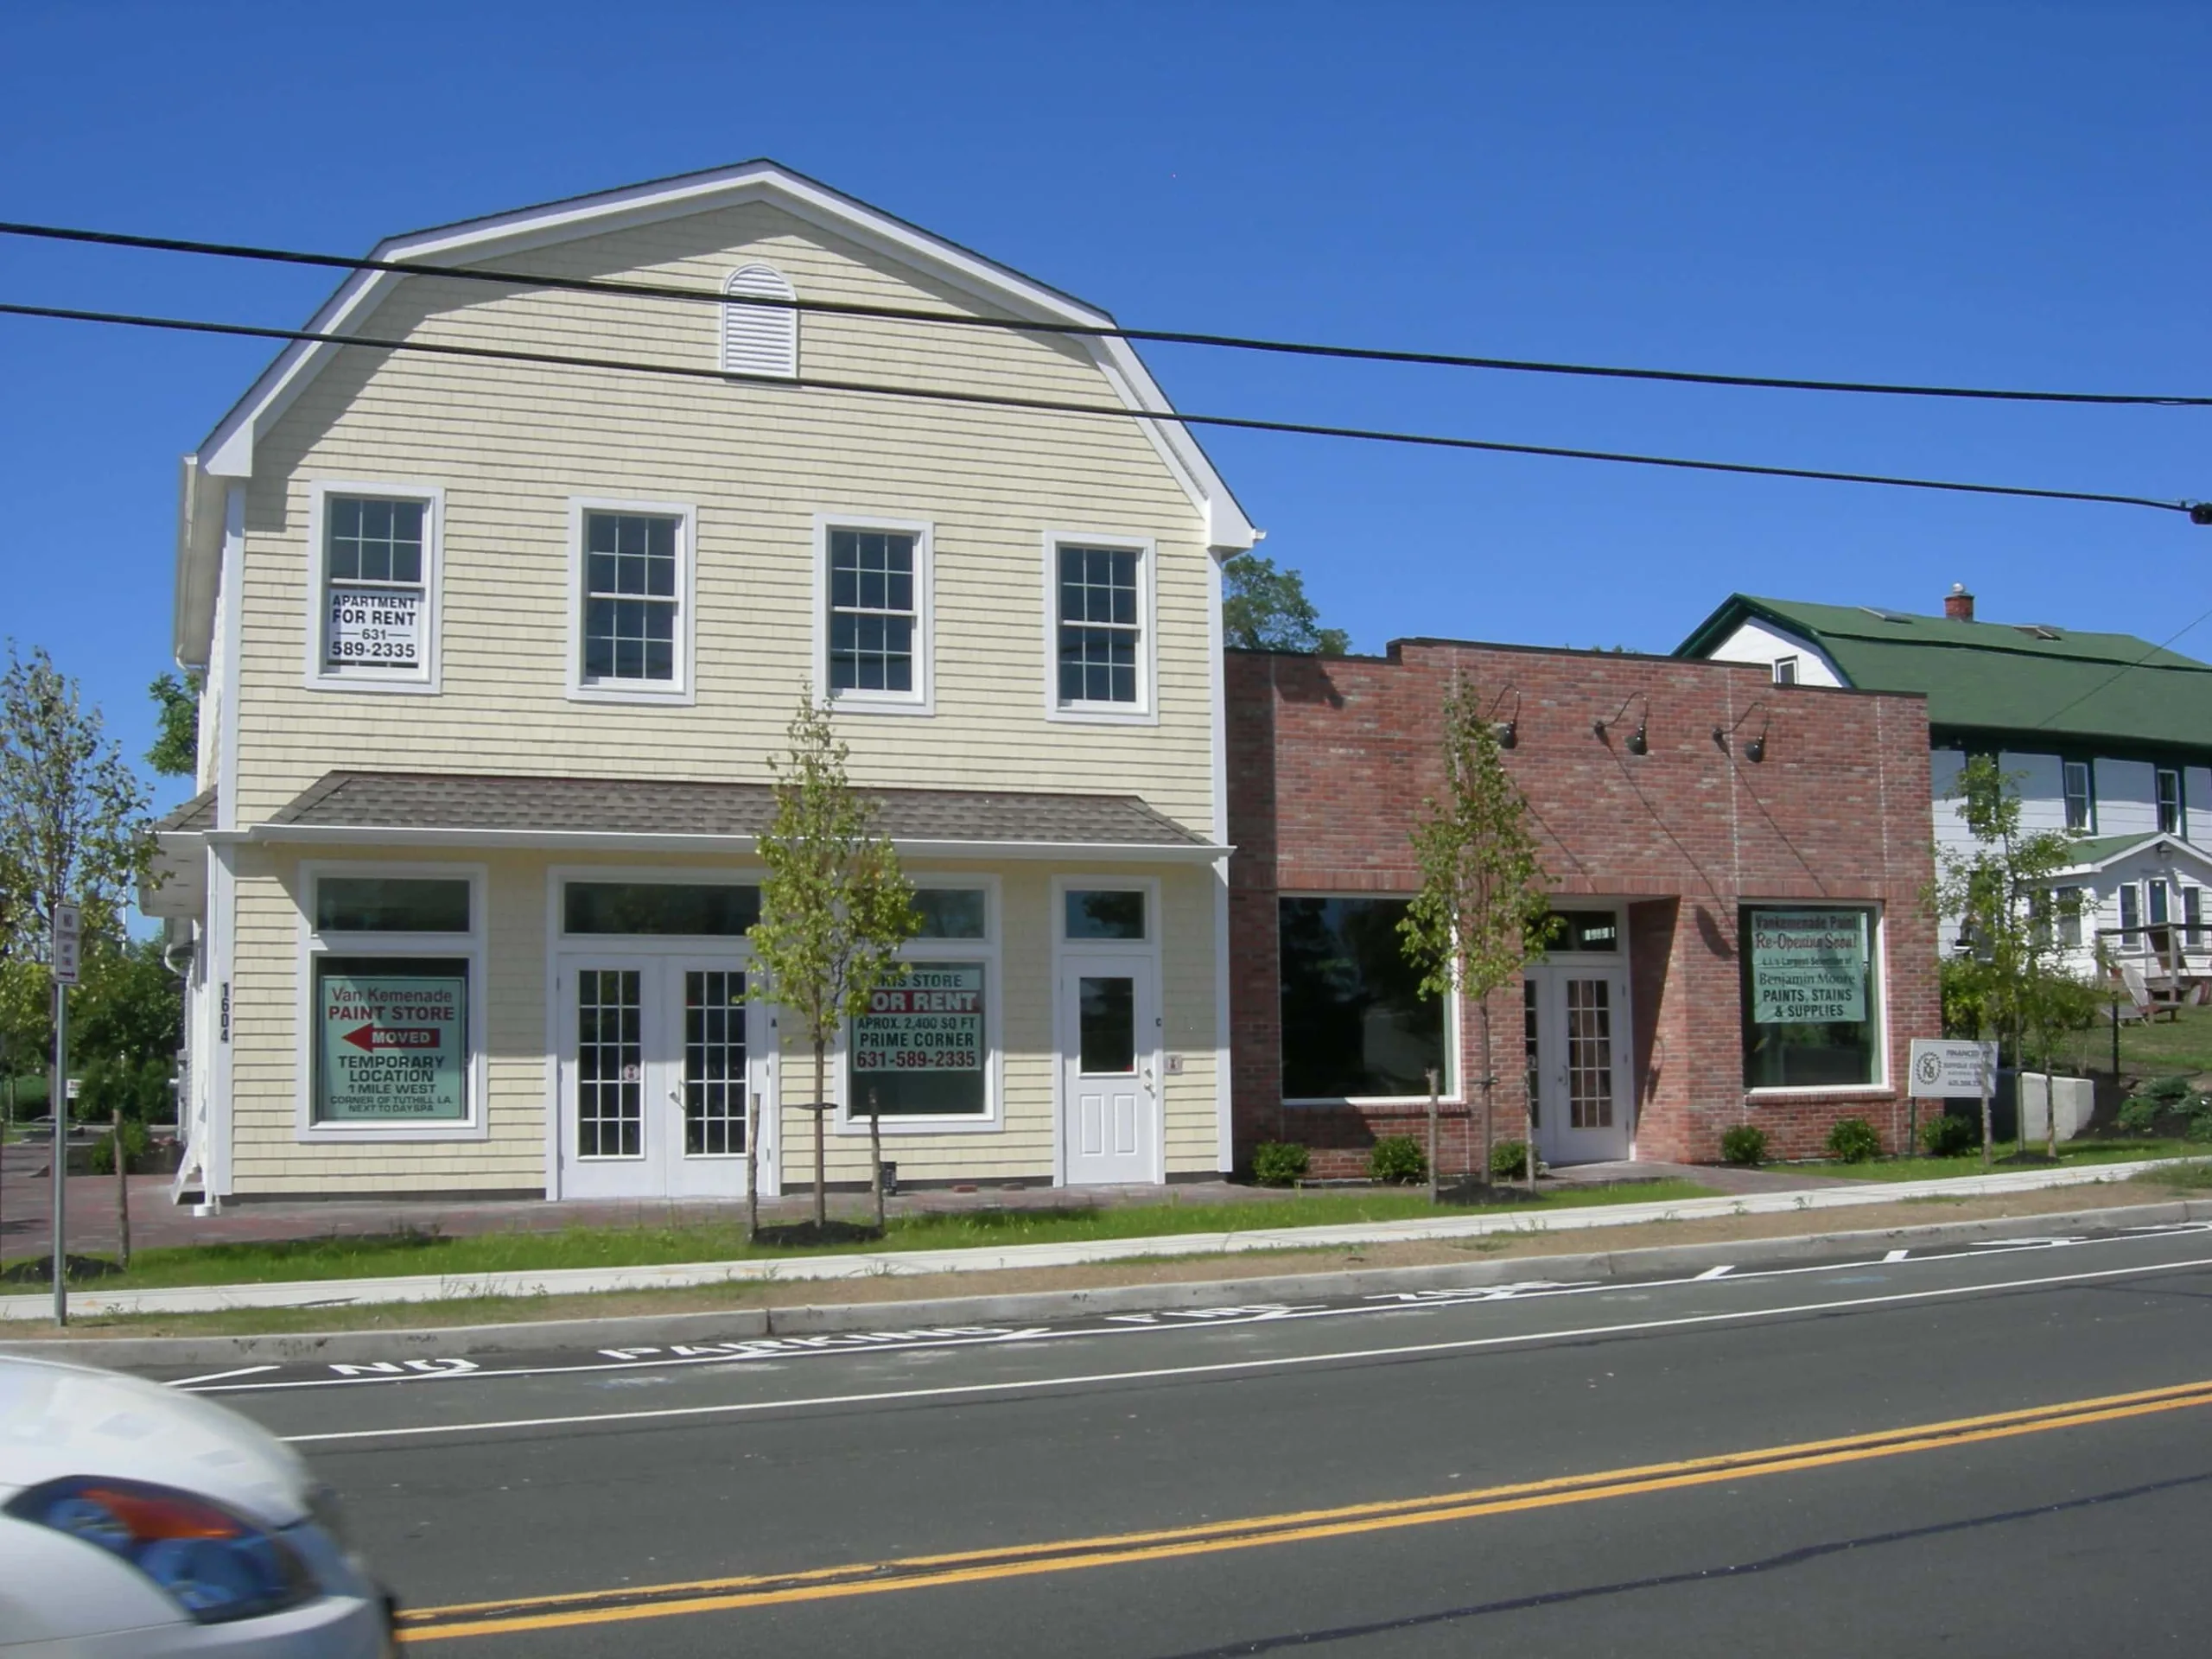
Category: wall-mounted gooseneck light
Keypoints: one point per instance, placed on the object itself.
(1508, 730)
(1755, 745)
(1637, 741)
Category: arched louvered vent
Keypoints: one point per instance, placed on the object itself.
(760, 340)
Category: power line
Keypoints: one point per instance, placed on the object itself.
(1088, 331)
(2124, 670)
(2199, 512)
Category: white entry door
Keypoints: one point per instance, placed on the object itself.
(1109, 1070)
(661, 1056)
(1580, 1044)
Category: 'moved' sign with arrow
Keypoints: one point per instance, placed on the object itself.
(391, 1046)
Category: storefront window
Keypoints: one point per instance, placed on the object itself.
(390, 1040)
(1109, 913)
(1811, 1003)
(950, 912)
(1582, 930)
(380, 904)
(1354, 1022)
(703, 910)
(920, 1049)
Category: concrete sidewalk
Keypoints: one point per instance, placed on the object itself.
(898, 1263)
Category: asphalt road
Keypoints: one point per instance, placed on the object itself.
(2002, 1450)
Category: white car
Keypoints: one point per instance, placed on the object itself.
(137, 1520)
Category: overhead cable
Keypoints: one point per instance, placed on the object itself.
(510, 278)
(2199, 512)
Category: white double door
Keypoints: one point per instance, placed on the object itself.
(660, 1057)
(1580, 1044)
(1109, 1070)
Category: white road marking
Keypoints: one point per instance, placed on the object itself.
(754, 1350)
(1221, 1367)
(217, 1376)
(1716, 1273)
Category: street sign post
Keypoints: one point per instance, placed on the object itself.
(61, 959)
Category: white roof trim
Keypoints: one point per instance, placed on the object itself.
(347, 835)
(2170, 843)
(228, 451)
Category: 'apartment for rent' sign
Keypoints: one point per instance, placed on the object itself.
(1808, 966)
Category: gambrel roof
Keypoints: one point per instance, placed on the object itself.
(228, 451)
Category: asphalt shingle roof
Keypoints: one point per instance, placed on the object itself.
(194, 816)
(393, 800)
(1998, 676)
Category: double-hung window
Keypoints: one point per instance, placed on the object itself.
(1785, 671)
(2081, 796)
(373, 603)
(633, 601)
(2173, 820)
(872, 629)
(1102, 639)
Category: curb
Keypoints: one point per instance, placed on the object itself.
(1032, 1307)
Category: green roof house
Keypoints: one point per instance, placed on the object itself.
(2110, 737)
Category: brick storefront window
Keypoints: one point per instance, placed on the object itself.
(1812, 996)
(1355, 1024)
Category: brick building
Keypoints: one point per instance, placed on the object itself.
(1739, 868)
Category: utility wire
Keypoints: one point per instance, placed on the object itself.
(1088, 331)
(2124, 670)
(2199, 512)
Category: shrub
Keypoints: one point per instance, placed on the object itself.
(1279, 1163)
(1853, 1140)
(1745, 1144)
(1950, 1136)
(1508, 1161)
(2171, 1093)
(136, 1142)
(1398, 1158)
(2140, 1113)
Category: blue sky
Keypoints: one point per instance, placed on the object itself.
(2003, 194)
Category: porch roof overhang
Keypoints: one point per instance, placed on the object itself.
(2096, 856)
(489, 811)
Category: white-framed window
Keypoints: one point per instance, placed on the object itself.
(391, 1006)
(1785, 671)
(2131, 917)
(375, 554)
(2078, 784)
(874, 586)
(2173, 819)
(1355, 1024)
(760, 340)
(1814, 1003)
(1100, 619)
(929, 1049)
(631, 574)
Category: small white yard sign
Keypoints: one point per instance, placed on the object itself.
(1942, 1069)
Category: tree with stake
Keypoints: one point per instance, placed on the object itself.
(834, 906)
(1482, 915)
(1997, 891)
(72, 833)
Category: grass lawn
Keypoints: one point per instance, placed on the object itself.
(2155, 1048)
(386, 1256)
(2071, 1154)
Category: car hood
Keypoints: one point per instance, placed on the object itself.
(58, 1419)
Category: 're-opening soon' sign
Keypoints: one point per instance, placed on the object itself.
(1808, 966)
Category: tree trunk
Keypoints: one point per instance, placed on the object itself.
(820, 1185)
(752, 1166)
(876, 1159)
(1529, 1145)
(1432, 1176)
(121, 1196)
(2020, 1086)
(1988, 1087)
(1489, 1083)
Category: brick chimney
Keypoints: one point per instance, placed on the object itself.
(1958, 604)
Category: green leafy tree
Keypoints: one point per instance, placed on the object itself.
(126, 1021)
(1998, 891)
(73, 828)
(175, 753)
(1265, 609)
(1482, 915)
(834, 906)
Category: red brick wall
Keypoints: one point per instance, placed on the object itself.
(1330, 759)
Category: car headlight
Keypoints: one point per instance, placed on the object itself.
(213, 1562)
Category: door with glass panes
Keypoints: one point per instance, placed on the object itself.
(1109, 1071)
(1578, 1043)
(661, 1055)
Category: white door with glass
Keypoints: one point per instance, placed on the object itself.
(1578, 1043)
(661, 1056)
(1109, 1070)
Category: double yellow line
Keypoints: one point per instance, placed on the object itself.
(1074, 1554)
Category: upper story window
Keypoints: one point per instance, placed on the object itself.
(2173, 819)
(1785, 671)
(760, 340)
(632, 615)
(1102, 621)
(373, 603)
(873, 578)
(2080, 796)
